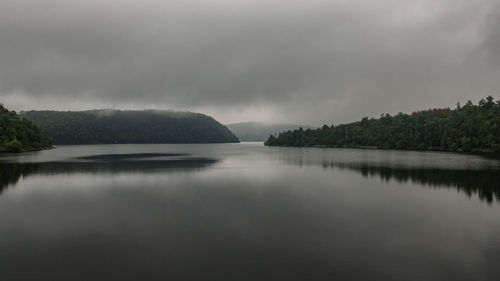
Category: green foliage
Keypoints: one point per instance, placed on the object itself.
(116, 126)
(19, 134)
(466, 128)
(12, 146)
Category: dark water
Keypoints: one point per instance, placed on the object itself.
(247, 212)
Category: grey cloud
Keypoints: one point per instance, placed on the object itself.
(300, 61)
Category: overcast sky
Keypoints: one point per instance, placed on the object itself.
(308, 61)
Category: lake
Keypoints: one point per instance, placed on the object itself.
(247, 212)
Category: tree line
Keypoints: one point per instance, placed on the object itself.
(19, 134)
(468, 128)
(129, 126)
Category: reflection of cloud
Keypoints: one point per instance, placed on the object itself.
(106, 163)
(225, 225)
(131, 156)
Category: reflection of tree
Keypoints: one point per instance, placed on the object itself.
(484, 183)
(10, 173)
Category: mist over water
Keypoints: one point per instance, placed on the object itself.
(247, 212)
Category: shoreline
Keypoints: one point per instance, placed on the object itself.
(27, 150)
(433, 149)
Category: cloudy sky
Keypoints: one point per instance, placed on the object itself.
(308, 61)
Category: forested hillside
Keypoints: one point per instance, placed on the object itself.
(19, 134)
(467, 128)
(258, 131)
(117, 126)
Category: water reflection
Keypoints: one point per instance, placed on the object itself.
(481, 182)
(105, 215)
(10, 173)
(129, 156)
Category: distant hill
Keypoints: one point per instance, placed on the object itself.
(19, 134)
(129, 126)
(257, 131)
(467, 128)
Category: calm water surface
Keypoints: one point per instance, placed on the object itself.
(247, 212)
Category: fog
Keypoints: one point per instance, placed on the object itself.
(308, 62)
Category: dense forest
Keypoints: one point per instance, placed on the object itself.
(128, 126)
(19, 134)
(469, 128)
(257, 131)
